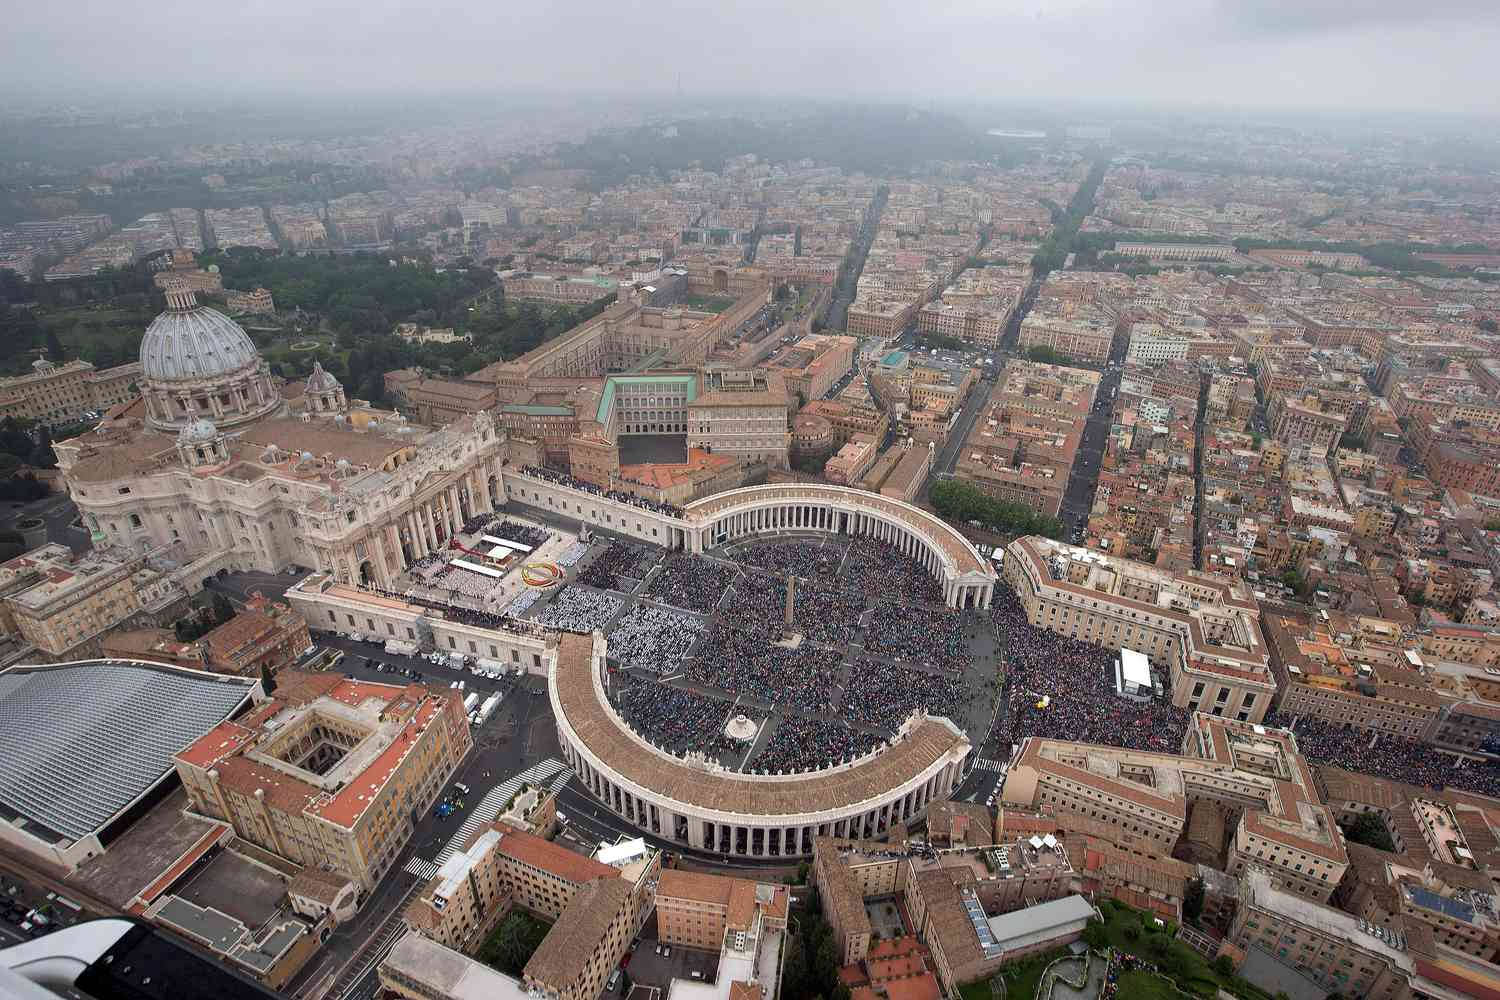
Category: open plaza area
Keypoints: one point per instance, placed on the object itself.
(703, 662)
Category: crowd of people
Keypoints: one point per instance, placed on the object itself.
(738, 655)
(457, 581)
(819, 614)
(551, 476)
(882, 694)
(882, 572)
(801, 557)
(934, 636)
(652, 638)
(1389, 757)
(1063, 688)
(617, 560)
(690, 582)
(521, 534)
(675, 720)
(475, 524)
(802, 743)
(575, 609)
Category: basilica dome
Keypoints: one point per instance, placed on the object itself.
(198, 365)
(190, 341)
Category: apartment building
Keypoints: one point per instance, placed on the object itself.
(1077, 332)
(706, 912)
(585, 944)
(1303, 421)
(263, 637)
(64, 604)
(1351, 672)
(868, 317)
(61, 394)
(1339, 952)
(979, 323)
(1143, 799)
(1178, 251)
(1151, 344)
(331, 772)
(851, 461)
(812, 365)
(1202, 629)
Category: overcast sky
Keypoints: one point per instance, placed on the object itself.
(1435, 55)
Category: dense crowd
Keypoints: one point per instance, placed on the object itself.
(459, 581)
(616, 560)
(807, 559)
(1389, 757)
(883, 694)
(574, 552)
(820, 614)
(521, 534)
(737, 655)
(474, 524)
(653, 638)
(883, 573)
(1073, 681)
(577, 610)
(678, 721)
(800, 743)
(922, 635)
(550, 476)
(523, 601)
(690, 582)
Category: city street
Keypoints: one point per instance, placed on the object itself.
(1078, 499)
(519, 734)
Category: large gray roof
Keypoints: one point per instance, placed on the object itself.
(194, 343)
(81, 741)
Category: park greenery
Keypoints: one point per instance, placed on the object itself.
(362, 293)
(1043, 354)
(511, 945)
(1059, 243)
(1132, 931)
(811, 961)
(204, 620)
(1021, 978)
(964, 502)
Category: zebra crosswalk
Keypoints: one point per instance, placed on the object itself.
(550, 772)
(423, 869)
(989, 764)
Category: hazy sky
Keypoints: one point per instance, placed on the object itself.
(1400, 54)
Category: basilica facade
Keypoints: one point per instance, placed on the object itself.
(218, 456)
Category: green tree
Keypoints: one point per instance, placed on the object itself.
(794, 976)
(1368, 829)
(222, 609)
(1094, 935)
(55, 348)
(1224, 966)
(42, 456)
(1192, 901)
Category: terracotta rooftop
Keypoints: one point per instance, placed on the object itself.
(576, 935)
(550, 857)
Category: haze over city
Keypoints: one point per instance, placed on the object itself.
(838, 501)
(1378, 55)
